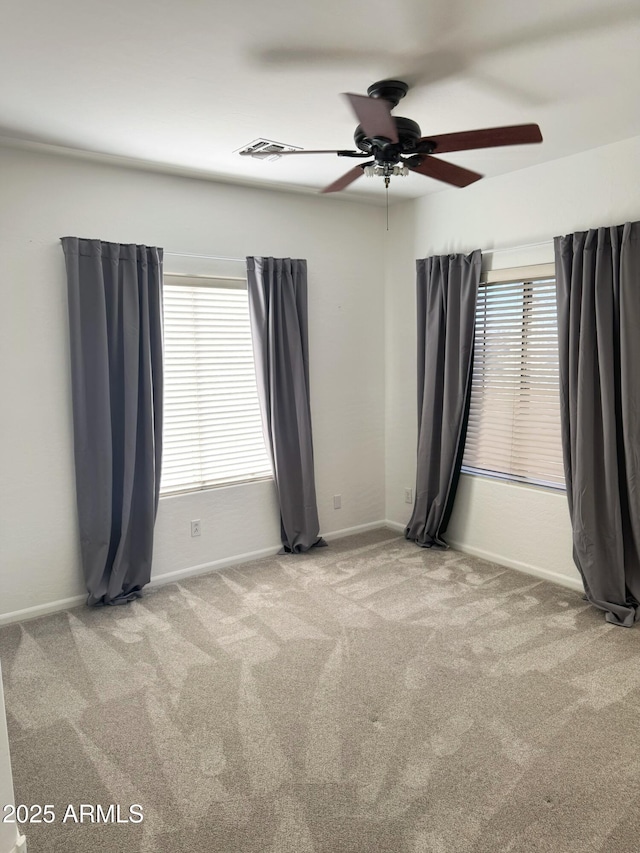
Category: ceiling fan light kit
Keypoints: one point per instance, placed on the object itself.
(398, 147)
(379, 170)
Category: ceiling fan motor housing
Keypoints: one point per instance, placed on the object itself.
(389, 152)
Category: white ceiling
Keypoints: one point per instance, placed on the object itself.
(185, 83)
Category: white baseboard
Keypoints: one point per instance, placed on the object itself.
(395, 525)
(42, 610)
(238, 559)
(214, 565)
(518, 565)
(351, 531)
(180, 574)
(21, 845)
(525, 568)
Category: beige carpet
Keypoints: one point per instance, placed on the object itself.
(369, 696)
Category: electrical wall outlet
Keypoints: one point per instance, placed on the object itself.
(195, 527)
(337, 501)
(408, 496)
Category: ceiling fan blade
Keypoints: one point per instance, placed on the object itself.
(313, 151)
(348, 178)
(309, 54)
(374, 114)
(441, 60)
(491, 137)
(600, 18)
(441, 170)
(507, 89)
(264, 154)
(423, 68)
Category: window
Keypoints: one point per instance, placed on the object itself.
(212, 424)
(514, 419)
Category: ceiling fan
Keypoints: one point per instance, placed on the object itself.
(397, 146)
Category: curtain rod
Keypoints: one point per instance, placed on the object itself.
(517, 248)
(203, 257)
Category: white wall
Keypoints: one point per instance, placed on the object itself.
(362, 340)
(516, 525)
(46, 196)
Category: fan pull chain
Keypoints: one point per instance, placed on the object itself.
(386, 186)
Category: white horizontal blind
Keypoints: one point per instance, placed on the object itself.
(514, 419)
(212, 424)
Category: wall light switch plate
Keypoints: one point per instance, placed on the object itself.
(337, 501)
(408, 496)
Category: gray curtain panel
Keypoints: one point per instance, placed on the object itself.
(447, 291)
(115, 318)
(278, 311)
(598, 292)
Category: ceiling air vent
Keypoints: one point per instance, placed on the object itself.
(266, 149)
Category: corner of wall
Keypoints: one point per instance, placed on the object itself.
(400, 415)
